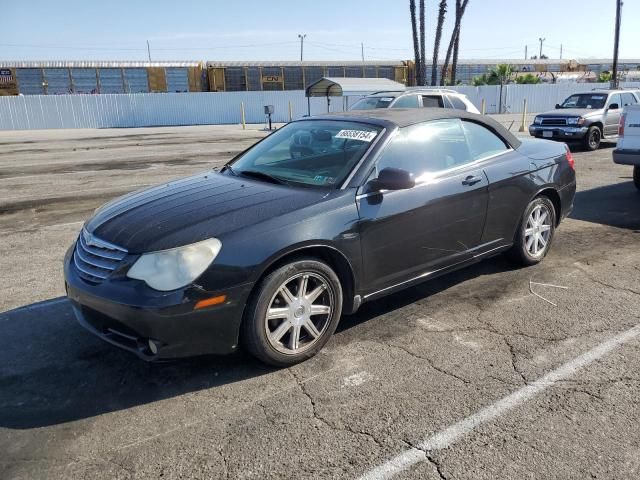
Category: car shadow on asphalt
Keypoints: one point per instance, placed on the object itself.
(52, 371)
(616, 205)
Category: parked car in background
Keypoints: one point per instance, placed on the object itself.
(588, 118)
(628, 149)
(271, 250)
(416, 98)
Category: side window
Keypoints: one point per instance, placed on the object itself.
(482, 141)
(628, 99)
(457, 103)
(615, 99)
(426, 149)
(432, 101)
(407, 101)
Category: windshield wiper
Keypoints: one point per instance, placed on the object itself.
(262, 176)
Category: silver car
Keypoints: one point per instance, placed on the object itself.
(588, 117)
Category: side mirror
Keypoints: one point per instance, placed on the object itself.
(392, 179)
(557, 105)
(614, 106)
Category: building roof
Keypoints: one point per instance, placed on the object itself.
(286, 63)
(95, 64)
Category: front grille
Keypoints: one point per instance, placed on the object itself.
(554, 121)
(95, 259)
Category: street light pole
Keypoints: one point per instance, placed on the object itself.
(148, 51)
(616, 42)
(302, 37)
(541, 42)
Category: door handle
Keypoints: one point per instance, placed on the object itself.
(471, 180)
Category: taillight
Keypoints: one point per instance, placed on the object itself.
(623, 118)
(570, 158)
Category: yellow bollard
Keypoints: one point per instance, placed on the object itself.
(244, 125)
(290, 111)
(484, 106)
(524, 116)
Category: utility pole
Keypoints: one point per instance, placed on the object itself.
(362, 50)
(148, 50)
(302, 36)
(616, 42)
(526, 55)
(560, 51)
(541, 42)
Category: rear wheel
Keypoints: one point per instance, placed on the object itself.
(293, 313)
(592, 139)
(636, 176)
(535, 232)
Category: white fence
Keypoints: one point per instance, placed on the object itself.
(166, 109)
(539, 97)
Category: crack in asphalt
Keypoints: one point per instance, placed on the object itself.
(591, 277)
(317, 416)
(428, 456)
(514, 360)
(225, 461)
(430, 362)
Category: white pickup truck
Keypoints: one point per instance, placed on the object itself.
(628, 150)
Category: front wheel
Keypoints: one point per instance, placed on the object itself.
(293, 313)
(636, 176)
(592, 139)
(535, 232)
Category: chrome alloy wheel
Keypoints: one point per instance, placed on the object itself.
(299, 313)
(538, 231)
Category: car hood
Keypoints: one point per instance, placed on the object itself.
(193, 209)
(570, 112)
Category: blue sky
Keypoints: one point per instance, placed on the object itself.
(268, 30)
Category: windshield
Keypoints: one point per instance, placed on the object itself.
(369, 103)
(318, 153)
(585, 100)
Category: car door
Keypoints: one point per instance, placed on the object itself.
(405, 233)
(612, 115)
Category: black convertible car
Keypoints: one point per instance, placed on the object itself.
(322, 215)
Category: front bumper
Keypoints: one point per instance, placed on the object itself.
(626, 157)
(127, 314)
(558, 132)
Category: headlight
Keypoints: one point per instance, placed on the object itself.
(537, 120)
(575, 121)
(170, 269)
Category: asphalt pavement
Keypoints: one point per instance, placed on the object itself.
(490, 372)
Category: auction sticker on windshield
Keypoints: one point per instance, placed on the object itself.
(362, 135)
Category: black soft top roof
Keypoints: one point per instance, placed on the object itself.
(403, 117)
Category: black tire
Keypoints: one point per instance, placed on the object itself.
(519, 252)
(636, 176)
(254, 334)
(592, 139)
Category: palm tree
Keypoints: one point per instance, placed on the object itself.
(461, 6)
(454, 62)
(414, 29)
(423, 60)
(442, 11)
(502, 73)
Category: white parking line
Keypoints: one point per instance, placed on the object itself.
(452, 434)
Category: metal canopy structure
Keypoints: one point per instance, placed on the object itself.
(345, 87)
